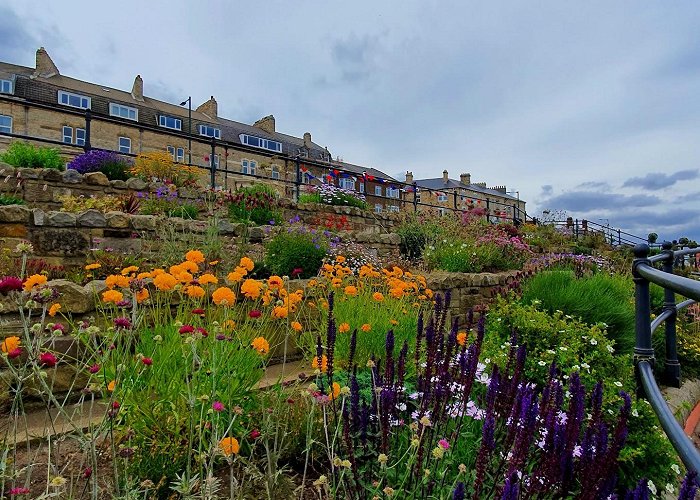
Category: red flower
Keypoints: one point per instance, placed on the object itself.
(254, 434)
(254, 313)
(186, 329)
(198, 311)
(147, 361)
(202, 331)
(297, 271)
(19, 491)
(15, 353)
(94, 368)
(116, 405)
(10, 284)
(47, 359)
(87, 472)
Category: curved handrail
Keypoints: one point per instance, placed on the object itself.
(644, 273)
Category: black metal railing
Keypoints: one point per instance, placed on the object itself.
(409, 194)
(644, 273)
(612, 235)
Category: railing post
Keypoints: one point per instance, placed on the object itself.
(298, 178)
(643, 349)
(454, 203)
(415, 196)
(212, 165)
(672, 369)
(619, 237)
(576, 226)
(88, 121)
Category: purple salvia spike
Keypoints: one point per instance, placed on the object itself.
(353, 348)
(689, 486)
(459, 492)
(511, 490)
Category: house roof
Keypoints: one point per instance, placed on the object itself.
(357, 169)
(230, 129)
(439, 183)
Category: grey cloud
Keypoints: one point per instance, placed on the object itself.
(689, 198)
(547, 190)
(164, 92)
(594, 185)
(585, 201)
(17, 42)
(355, 57)
(658, 180)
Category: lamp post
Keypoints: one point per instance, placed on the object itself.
(188, 101)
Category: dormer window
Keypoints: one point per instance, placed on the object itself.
(73, 100)
(123, 111)
(259, 142)
(170, 122)
(209, 131)
(5, 86)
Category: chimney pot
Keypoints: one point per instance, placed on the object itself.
(137, 89)
(445, 176)
(409, 177)
(209, 108)
(307, 140)
(45, 66)
(465, 179)
(266, 123)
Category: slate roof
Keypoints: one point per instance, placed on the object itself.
(357, 169)
(439, 183)
(45, 90)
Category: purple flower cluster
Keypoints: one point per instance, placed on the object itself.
(95, 161)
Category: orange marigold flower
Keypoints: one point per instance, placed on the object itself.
(275, 282)
(207, 278)
(378, 296)
(280, 312)
(340, 259)
(223, 296)
(176, 269)
(9, 344)
(165, 281)
(229, 446)
(462, 338)
(213, 262)
(336, 390)
(54, 309)
(129, 270)
(351, 290)
(112, 296)
(184, 277)
(397, 293)
(296, 326)
(34, 280)
(261, 345)
(344, 328)
(91, 267)
(323, 365)
(115, 280)
(142, 295)
(393, 322)
(246, 264)
(189, 266)
(429, 293)
(194, 256)
(251, 288)
(366, 327)
(235, 276)
(112, 385)
(143, 276)
(336, 282)
(195, 292)
(229, 324)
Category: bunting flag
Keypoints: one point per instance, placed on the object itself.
(408, 189)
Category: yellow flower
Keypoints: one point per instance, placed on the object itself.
(462, 338)
(377, 296)
(246, 264)
(54, 309)
(393, 322)
(261, 345)
(141, 295)
(195, 292)
(184, 277)
(323, 365)
(366, 327)
(129, 270)
(229, 446)
(351, 290)
(296, 326)
(236, 275)
(194, 256)
(275, 282)
(336, 390)
(165, 281)
(143, 276)
(223, 296)
(115, 280)
(9, 344)
(251, 288)
(111, 385)
(112, 296)
(34, 280)
(207, 278)
(91, 267)
(396, 292)
(229, 324)
(344, 327)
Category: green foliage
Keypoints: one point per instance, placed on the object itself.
(257, 203)
(10, 200)
(76, 204)
(23, 155)
(117, 170)
(416, 231)
(186, 211)
(469, 256)
(297, 248)
(597, 299)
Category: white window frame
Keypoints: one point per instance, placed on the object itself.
(72, 134)
(362, 187)
(6, 86)
(126, 146)
(347, 183)
(83, 105)
(171, 150)
(275, 172)
(216, 160)
(393, 208)
(180, 154)
(268, 144)
(392, 192)
(377, 190)
(5, 128)
(378, 208)
(216, 132)
(306, 178)
(116, 109)
(248, 166)
(442, 198)
(163, 122)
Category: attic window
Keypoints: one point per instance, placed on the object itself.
(5, 86)
(170, 122)
(73, 100)
(259, 142)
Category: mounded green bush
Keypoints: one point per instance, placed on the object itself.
(297, 252)
(257, 203)
(23, 155)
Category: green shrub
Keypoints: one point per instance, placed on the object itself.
(475, 256)
(186, 211)
(10, 200)
(257, 203)
(294, 249)
(596, 299)
(23, 155)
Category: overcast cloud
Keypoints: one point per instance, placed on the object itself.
(587, 107)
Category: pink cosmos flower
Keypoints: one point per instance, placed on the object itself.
(217, 406)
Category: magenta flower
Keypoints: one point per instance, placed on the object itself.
(147, 361)
(217, 406)
(254, 313)
(186, 329)
(444, 444)
(10, 284)
(47, 359)
(19, 491)
(94, 368)
(122, 322)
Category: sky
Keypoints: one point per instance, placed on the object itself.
(583, 109)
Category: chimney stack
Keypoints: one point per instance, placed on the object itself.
(445, 176)
(45, 66)
(465, 179)
(137, 89)
(307, 140)
(409, 177)
(266, 123)
(209, 108)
